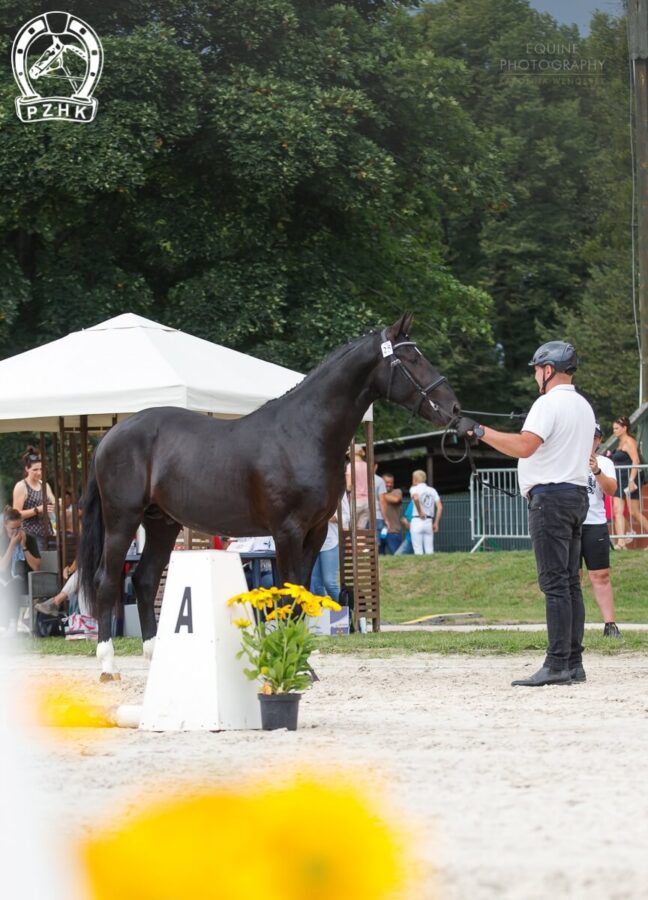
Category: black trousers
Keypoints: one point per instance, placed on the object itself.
(555, 521)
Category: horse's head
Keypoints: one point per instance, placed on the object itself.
(406, 377)
(45, 62)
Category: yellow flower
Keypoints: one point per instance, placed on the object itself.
(329, 603)
(64, 708)
(203, 847)
(241, 623)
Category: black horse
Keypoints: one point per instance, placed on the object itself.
(278, 471)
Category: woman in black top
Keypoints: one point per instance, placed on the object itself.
(28, 499)
(628, 480)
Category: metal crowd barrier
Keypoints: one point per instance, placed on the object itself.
(496, 515)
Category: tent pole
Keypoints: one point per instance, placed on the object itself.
(62, 533)
(43, 456)
(353, 529)
(74, 485)
(57, 493)
(83, 437)
(373, 556)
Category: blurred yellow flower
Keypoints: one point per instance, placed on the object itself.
(64, 708)
(241, 623)
(333, 846)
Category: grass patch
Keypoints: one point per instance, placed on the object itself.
(502, 586)
(493, 643)
(58, 646)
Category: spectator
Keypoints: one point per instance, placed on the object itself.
(405, 547)
(361, 487)
(325, 580)
(28, 498)
(71, 593)
(380, 489)
(595, 543)
(426, 515)
(626, 454)
(391, 502)
(19, 555)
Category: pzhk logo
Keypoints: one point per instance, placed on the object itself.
(56, 46)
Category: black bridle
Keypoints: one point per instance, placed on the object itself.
(424, 392)
(397, 364)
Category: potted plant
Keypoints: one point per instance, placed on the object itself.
(277, 641)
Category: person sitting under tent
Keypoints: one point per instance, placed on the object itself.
(19, 555)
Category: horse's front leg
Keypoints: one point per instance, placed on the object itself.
(289, 545)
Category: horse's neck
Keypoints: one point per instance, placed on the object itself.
(340, 396)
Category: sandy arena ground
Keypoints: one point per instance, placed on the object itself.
(517, 793)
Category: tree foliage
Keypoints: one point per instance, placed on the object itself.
(281, 175)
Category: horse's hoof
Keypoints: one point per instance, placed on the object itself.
(106, 676)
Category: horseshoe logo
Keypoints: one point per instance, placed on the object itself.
(69, 50)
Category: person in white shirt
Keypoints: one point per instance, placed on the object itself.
(595, 543)
(426, 515)
(553, 449)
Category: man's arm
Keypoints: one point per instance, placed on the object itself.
(520, 445)
(437, 516)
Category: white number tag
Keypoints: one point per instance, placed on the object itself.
(387, 349)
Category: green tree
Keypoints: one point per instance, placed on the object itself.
(274, 176)
(532, 251)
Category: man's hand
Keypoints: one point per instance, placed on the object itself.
(465, 427)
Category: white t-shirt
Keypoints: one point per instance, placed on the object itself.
(381, 488)
(332, 538)
(596, 512)
(565, 422)
(427, 497)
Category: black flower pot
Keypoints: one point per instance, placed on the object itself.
(279, 711)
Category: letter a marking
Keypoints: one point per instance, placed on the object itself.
(185, 616)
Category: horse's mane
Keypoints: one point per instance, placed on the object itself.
(334, 357)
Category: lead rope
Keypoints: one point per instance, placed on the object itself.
(467, 454)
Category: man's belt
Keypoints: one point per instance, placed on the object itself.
(551, 488)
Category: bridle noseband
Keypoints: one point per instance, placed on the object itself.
(389, 349)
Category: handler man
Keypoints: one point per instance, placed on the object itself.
(553, 449)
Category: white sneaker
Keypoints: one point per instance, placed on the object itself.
(49, 607)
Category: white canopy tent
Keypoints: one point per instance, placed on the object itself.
(127, 364)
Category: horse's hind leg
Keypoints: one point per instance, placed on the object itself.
(160, 539)
(117, 540)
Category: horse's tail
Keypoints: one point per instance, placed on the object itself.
(91, 544)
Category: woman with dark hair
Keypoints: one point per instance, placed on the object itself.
(28, 498)
(626, 454)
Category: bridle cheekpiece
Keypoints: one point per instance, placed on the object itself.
(389, 349)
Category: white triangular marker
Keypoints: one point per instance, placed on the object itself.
(195, 682)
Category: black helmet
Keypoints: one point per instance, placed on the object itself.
(558, 354)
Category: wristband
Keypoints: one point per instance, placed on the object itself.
(598, 472)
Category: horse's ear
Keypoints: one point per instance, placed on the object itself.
(400, 326)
